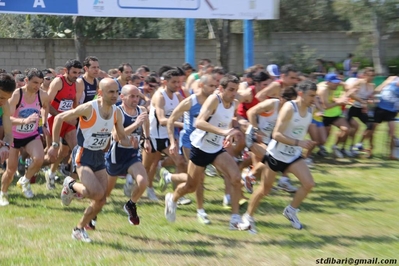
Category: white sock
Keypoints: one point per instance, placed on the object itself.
(284, 179)
(227, 197)
(24, 179)
(168, 178)
(201, 211)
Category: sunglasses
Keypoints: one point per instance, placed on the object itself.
(152, 85)
(48, 78)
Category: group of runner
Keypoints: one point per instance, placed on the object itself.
(134, 125)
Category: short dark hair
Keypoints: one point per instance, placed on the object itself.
(306, 85)
(181, 71)
(204, 61)
(122, 66)
(46, 71)
(87, 60)
(134, 77)
(154, 74)
(19, 78)
(7, 83)
(289, 93)
(170, 74)
(2, 71)
(33, 72)
(218, 70)
(288, 68)
(163, 69)
(73, 63)
(150, 79)
(16, 71)
(146, 68)
(187, 66)
(261, 76)
(224, 82)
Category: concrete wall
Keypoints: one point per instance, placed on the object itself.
(42, 53)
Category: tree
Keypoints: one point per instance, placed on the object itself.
(374, 19)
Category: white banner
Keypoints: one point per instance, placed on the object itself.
(205, 9)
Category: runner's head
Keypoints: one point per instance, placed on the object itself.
(207, 84)
(218, 73)
(288, 94)
(228, 87)
(109, 91)
(332, 80)
(261, 80)
(369, 74)
(125, 72)
(172, 78)
(307, 91)
(289, 75)
(150, 84)
(7, 87)
(130, 96)
(91, 66)
(34, 80)
(73, 68)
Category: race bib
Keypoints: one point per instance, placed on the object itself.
(99, 141)
(288, 150)
(27, 128)
(65, 105)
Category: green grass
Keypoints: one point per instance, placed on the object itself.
(352, 212)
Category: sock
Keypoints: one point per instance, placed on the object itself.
(21, 161)
(168, 178)
(131, 203)
(70, 185)
(51, 174)
(227, 197)
(200, 211)
(24, 179)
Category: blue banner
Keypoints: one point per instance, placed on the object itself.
(39, 6)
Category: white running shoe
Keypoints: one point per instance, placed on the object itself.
(163, 172)
(183, 201)
(359, 146)
(203, 218)
(81, 235)
(67, 194)
(237, 224)
(50, 180)
(4, 199)
(290, 214)
(337, 152)
(210, 170)
(26, 189)
(128, 186)
(309, 162)
(226, 202)
(151, 194)
(285, 184)
(170, 208)
(249, 221)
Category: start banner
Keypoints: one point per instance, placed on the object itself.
(204, 9)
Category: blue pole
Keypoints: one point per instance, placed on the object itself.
(248, 43)
(190, 41)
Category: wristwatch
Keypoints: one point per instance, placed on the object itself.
(55, 144)
(6, 144)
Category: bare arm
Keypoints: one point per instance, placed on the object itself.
(84, 110)
(120, 130)
(273, 90)
(13, 101)
(261, 107)
(207, 109)
(55, 87)
(384, 84)
(183, 106)
(353, 89)
(244, 95)
(80, 87)
(7, 124)
(324, 100)
(282, 123)
(159, 103)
